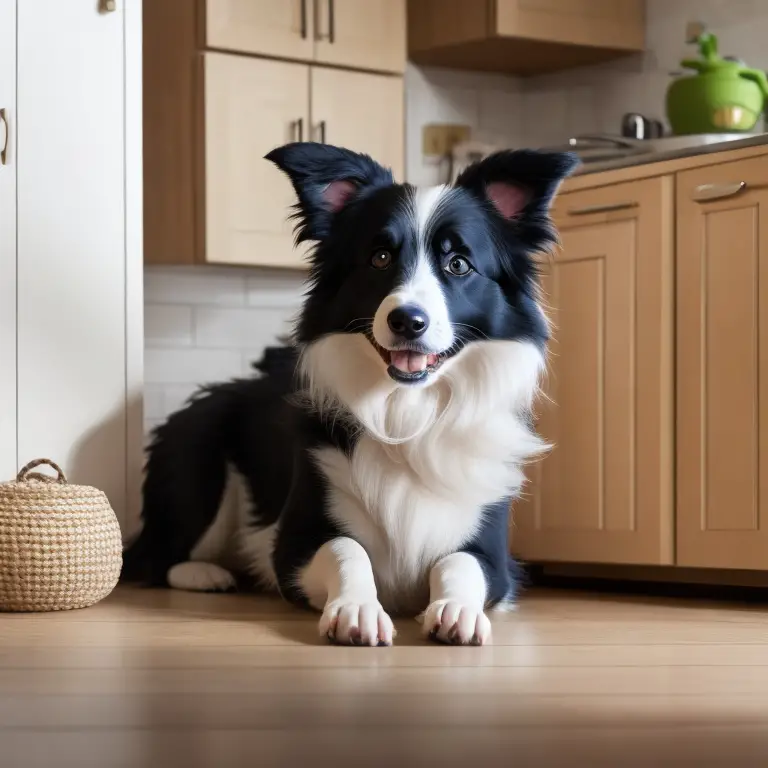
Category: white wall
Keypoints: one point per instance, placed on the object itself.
(204, 324)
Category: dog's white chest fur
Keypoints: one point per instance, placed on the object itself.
(404, 526)
(428, 461)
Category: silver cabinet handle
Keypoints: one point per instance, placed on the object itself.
(705, 192)
(322, 131)
(303, 19)
(331, 36)
(605, 208)
(6, 139)
(298, 129)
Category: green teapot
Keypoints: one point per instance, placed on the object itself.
(724, 97)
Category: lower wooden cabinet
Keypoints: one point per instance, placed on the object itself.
(722, 365)
(605, 494)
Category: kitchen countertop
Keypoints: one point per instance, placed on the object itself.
(673, 154)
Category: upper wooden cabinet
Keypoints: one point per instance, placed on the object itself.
(362, 112)
(524, 37)
(364, 34)
(211, 116)
(284, 28)
(251, 105)
(605, 492)
(722, 365)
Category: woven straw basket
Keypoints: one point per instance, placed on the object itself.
(60, 544)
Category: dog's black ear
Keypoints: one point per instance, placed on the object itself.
(326, 179)
(520, 185)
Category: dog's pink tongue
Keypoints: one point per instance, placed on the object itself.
(408, 362)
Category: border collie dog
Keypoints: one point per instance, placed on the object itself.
(375, 478)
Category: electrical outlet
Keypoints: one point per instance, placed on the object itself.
(439, 140)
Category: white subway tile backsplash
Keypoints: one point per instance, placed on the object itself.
(175, 396)
(167, 325)
(194, 285)
(220, 328)
(190, 366)
(501, 114)
(279, 290)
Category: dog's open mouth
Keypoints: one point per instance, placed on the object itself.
(409, 365)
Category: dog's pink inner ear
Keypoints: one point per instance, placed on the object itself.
(508, 199)
(338, 193)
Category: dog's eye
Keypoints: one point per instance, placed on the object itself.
(458, 266)
(381, 259)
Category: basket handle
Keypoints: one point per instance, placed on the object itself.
(24, 472)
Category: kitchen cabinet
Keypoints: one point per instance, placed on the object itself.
(211, 116)
(605, 493)
(657, 386)
(364, 34)
(523, 37)
(251, 105)
(362, 112)
(9, 462)
(71, 308)
(361, 34)
(283, 29)
(722, 365)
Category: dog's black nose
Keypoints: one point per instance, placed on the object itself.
(408, 321)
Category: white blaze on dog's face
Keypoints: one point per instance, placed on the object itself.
(404, 279)
(413, 322)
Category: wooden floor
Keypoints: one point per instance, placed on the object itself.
(149, 679)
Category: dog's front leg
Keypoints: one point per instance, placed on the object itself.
(457, 595)
(339, 582)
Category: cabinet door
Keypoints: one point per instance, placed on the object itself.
(272, 28)
(8, 458)
(617, 24)
(722, 366)
(251, 107)
(604, 494)
(360, 111)
(369, 34)
(79, 244)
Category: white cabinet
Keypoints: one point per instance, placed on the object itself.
(8, 458)
(70, 252)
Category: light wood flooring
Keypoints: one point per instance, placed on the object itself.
(162, 678)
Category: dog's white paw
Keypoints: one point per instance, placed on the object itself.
(348, 623)
(200, 577)
(448, 621)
